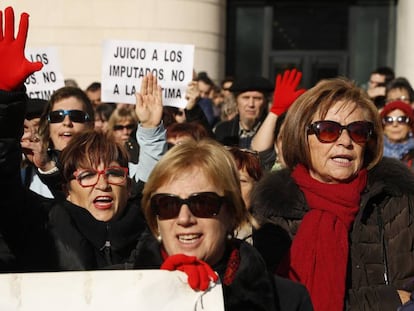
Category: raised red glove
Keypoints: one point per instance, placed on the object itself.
(14, 67)
(199, 272)
(285, 92)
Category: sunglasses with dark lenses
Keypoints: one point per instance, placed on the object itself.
(399, 119)
(329, 131)
(202, 204)
(77, 116)
(121, 127)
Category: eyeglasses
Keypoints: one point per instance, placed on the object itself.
(77, 116)
(114, 175)
(202, 204)
(400, 120)
(329, 131)
(121, 127)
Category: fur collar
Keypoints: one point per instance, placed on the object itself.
(278, 189)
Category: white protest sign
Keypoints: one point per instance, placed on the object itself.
(105, 290)
(124, 63)
(42, 84)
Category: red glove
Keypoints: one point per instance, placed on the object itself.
(14, 67)
(285, 92)
(199, 272)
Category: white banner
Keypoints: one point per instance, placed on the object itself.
(105, 290)
(42, 84)
(124, 63)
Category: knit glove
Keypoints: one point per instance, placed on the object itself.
(199, 272)
(285, 92)
(14, 67)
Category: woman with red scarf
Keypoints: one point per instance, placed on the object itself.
(339, 218)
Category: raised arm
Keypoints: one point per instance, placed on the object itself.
(284, 95)
(151, 135)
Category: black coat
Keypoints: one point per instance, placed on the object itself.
(253, 287)
(50, 235)
(381, 240)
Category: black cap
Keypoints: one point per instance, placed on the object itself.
(35, 107)
(251, 83)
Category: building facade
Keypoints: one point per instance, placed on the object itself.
(323, 38)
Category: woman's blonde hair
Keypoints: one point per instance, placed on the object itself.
(214, 161)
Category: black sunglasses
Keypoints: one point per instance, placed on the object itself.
(399, 119)
(77, 116)
(121, 127)
(329, 131)
(202, 204)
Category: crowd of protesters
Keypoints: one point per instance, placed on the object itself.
(294, 199)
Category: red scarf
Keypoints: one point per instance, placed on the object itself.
(319, 252)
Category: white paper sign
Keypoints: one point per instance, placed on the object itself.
(42, 84)
(105, 290)
(124, 63)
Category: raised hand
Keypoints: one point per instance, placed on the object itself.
(192, 94)
(285, 92)
(33, 147)
(149, 102)
(14, 67)
(199, 272)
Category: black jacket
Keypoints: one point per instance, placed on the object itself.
(381, 240)
(50, 235)
(253, 287)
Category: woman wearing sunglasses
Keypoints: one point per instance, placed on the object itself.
(96, 224)
(398, 122)
(68, 113)
(345, 215)
(192, 204)
(122, 125)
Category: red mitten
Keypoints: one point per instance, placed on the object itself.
(199, 272)
(14, 67)
(285, 92)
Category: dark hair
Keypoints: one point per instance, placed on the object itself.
(168, 115)
(104, 110)
(248, 160)
(203, 77)
(401, 83)
(88, 149)
(58, 95)
(93, 87)
(278, 126)
(191, 129)
(388, 72)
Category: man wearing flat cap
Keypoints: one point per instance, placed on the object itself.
(251, 94)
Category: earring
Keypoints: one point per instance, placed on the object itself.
(159, 238)
(229, 236)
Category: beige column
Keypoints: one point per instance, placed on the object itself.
(404, 56)
(78, 27)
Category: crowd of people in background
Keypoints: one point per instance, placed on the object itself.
(296, 199)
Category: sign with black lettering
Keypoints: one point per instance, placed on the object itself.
(42, 84)
(125, 63)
